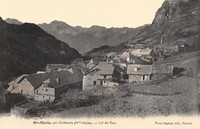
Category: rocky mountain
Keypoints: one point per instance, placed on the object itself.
(85, 39)
(175, 20)
(27, 48)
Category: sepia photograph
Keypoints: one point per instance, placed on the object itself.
(99, 64)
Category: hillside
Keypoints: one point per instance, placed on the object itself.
(27, 48)
(176, 20)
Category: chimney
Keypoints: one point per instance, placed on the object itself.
(58, 81)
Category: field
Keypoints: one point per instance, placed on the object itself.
(177, 97)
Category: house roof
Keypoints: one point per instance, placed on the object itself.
(40, 72)
(124, 55)
(20, 78)
(111, 54)
(141, 69)
(65, 78)
(137, 60)
(84, 70)
(79, 61)
(56, 66)
(146, 51)
(92, 63)
(105, 68)
(169, 45)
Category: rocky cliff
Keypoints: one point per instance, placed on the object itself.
(175, 20)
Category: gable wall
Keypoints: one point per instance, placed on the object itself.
(24, 87)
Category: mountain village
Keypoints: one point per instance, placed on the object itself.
(132, 66)
(153, 72)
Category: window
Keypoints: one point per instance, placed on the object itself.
(43, 96)
(49, 97)
(94, 83)
(21, 91)
(36, 91)
(101, 82)
(46, 89)
(135, 69)
(104, 76)
(104, 81)
(143, 77)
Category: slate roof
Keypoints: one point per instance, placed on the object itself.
(56, 66)
(92, 63)
(137, 60)
(146, 51)
(141, 69)
(102, 68)
(65, 78)
(79, 62)
(105, 68)
(19, 79)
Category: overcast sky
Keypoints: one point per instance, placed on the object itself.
(109, 13)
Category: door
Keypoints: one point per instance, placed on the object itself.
(101, 82)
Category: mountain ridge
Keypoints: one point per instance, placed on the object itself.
(85, 39)
(26, 48)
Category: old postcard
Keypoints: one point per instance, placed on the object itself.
(119, 64)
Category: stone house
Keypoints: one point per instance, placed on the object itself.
(98, 75)
(15, 83)
(170, 47)
(145, 54)
(26, 85)
(57, 83)
(143, 73)
(139, 73)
